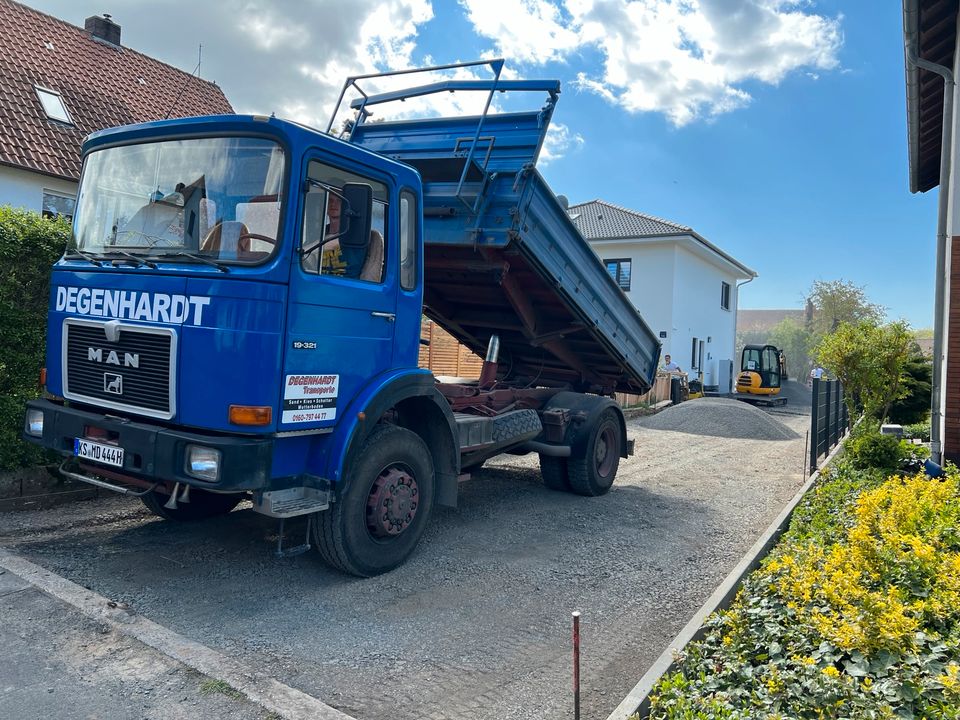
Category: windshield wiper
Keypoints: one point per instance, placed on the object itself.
(77, 252)
(140, 261)
(199, 258)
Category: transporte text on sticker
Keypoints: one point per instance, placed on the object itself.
(310, 398)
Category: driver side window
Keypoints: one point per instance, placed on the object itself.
(326, 215)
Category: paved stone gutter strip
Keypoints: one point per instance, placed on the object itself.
(272, 695)
(638, 699)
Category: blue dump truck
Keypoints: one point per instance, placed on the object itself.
(238, 317)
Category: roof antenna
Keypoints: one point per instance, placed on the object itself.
(195, 73)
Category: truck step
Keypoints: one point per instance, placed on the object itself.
(291, 502)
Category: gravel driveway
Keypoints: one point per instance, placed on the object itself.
(477, 623)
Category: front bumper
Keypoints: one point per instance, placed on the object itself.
(155, 453)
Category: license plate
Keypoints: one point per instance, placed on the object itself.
(98, 452)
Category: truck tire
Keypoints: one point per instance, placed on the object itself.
(379, 519)
(593, 469)
(555, 473)
(202, 505)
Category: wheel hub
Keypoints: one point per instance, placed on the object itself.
(392, 503)
(603, 456)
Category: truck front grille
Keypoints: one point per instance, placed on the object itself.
(132, 371)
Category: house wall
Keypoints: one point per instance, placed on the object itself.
(698, 314)
(22, 188)
(651, 282)
(678, 292)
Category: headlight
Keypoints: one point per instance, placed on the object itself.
(34, 423)
(203, 463)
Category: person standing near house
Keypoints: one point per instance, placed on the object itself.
(669, 365)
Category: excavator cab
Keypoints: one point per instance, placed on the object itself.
(761, 370)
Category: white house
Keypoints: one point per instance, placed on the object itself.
(684, 286)
(59, 83)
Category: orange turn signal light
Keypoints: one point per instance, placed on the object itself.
(250, 414)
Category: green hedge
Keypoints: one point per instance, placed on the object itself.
(29, 245)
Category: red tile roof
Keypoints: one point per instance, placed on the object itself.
(101, 85)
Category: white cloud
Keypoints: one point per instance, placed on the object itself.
(684, 58)
(558, 142)
(526, 30)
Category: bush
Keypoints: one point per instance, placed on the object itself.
(868, 448)
(855, 613)
(914, 406)
(29, 245)
(918, 430)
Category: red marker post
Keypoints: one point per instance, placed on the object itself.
(576, 665)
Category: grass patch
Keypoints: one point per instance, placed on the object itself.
(220, 687)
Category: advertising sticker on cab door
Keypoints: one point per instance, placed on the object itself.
(310, 398)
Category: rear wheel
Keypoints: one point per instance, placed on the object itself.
(593, 470)
(380, 517)
(202, 505)
(554, 472)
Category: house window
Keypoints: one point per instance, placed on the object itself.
(619, 270)
(725, 295)
(58, 205)
(53, 105)
(693, 355)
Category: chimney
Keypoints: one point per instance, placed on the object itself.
(103, 29)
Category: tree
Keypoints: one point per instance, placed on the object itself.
(869, 359)
(796, 342)
(840, 301)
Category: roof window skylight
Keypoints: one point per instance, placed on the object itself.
(53, 105)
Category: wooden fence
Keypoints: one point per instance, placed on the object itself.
(658, 393)
(444, 355)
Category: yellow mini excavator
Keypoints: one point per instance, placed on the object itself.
(762, 370)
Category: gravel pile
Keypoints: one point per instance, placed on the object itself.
(720, 417)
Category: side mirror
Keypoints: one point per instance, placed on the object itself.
(355, 221)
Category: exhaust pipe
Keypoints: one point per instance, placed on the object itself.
(488, 374)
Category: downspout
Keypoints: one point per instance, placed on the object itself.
(911, 33)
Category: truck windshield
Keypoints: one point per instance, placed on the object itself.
(197, 200)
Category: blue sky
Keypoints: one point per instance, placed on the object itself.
(775, 128)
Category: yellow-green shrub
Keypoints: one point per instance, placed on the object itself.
(898, 571)
(855, 613)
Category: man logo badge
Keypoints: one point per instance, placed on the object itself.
(113, 383)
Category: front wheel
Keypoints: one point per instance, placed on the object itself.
(592, 471)
(379, 519)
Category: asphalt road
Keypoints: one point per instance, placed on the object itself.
(477, 623)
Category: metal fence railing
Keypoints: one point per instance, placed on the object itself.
(829, 420)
